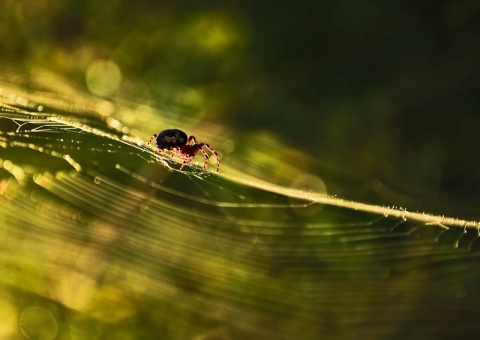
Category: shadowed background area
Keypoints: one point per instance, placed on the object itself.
(372, 101)
(379, 98)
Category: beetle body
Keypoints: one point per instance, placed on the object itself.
(171, 138)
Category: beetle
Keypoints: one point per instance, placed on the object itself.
(179, 144)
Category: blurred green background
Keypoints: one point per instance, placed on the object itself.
(376, 100)
(379, 98)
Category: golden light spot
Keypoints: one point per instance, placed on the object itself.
(8, 317)
(217, 32)
(38, 323)
(308, 184)
(76, 290)
(103, 77)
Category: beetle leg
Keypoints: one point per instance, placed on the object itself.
(150, 140)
